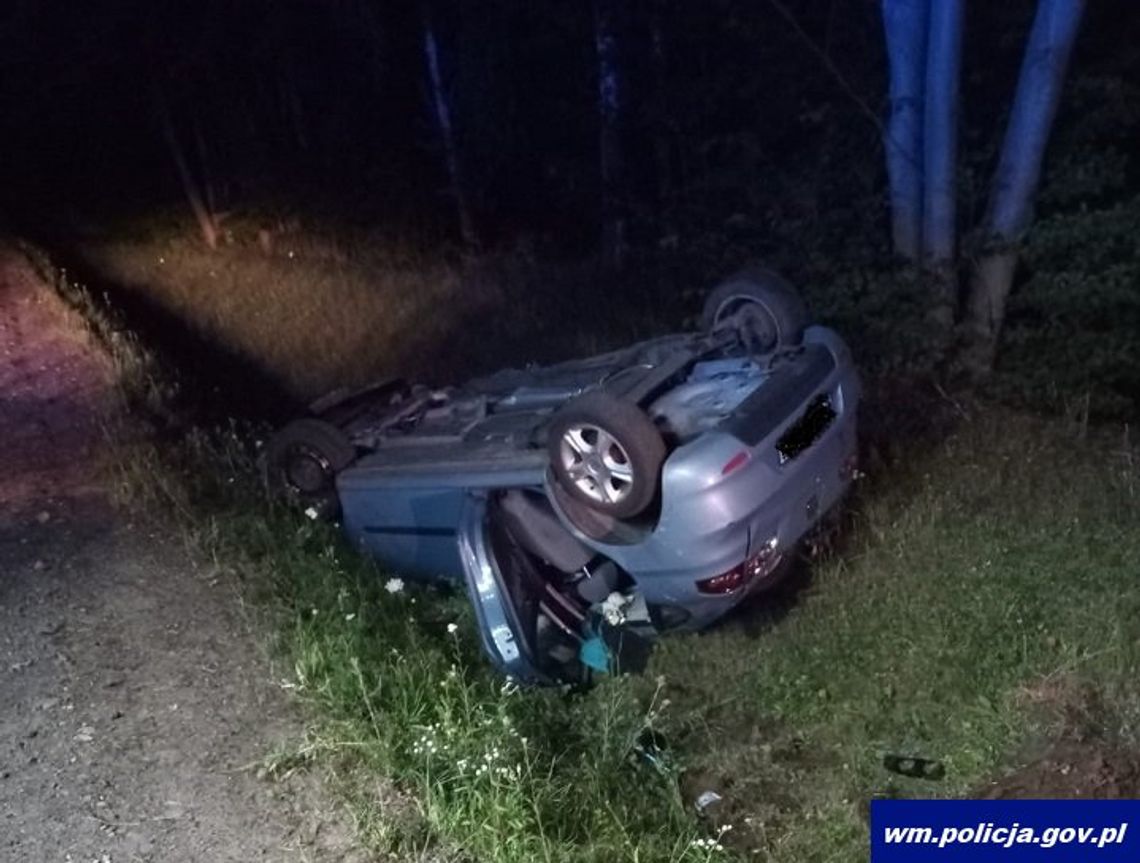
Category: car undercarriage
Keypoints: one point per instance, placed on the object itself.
(592, 504)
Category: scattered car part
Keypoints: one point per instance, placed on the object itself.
(916, 768)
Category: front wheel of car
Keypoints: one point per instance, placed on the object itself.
(606, 453)
(302, 461)
(761, 307)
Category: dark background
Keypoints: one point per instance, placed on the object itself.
(323, 106)
(754, 133)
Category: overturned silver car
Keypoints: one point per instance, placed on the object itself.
(593, 504)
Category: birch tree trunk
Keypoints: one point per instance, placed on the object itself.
(940, 158)
(905, 23)
(1010, 212)
(940, 132)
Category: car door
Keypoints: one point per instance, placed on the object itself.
(505, 622)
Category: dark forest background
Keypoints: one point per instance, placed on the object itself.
(256, 196)
(747, 130)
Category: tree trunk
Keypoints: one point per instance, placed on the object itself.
(940, 156)
(940, 132)
(203, 214)
(609, 138)
(208, 184)
(905, 25)
(989, 289)
(1019, 170)
(441, 106)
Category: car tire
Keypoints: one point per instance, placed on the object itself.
(765, 310)
(302, 461)
(606, 453)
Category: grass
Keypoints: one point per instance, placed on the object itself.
(984, 596)
(998, 566)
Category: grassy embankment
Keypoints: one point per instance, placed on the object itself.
(983, 605)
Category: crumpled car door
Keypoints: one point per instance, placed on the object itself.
(502, 623)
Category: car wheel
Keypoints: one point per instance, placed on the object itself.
(761, 307)
(301, 463)
(606, 453)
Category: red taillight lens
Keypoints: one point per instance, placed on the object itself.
(720, 584)
(757, 566)
(737, 461)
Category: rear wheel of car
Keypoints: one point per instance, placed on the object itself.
(606, 453)
(765, 311)
(302, 461)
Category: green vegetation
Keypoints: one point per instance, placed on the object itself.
(982, 605)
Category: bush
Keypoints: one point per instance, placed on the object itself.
(1072, 332)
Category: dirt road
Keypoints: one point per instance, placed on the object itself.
(133, 698)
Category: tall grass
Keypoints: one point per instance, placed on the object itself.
(988, 579)
(397, 685)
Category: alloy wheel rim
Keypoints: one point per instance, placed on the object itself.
(597, 463)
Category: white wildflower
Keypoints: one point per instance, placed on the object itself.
(312, 513)
(350, 617)
(453, 628)
(510, 687)
(706, 845)
(394, 585)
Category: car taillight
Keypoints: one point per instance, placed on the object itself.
(757, 566)
(737, 461)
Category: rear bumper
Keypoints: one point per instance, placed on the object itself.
(712, 521)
